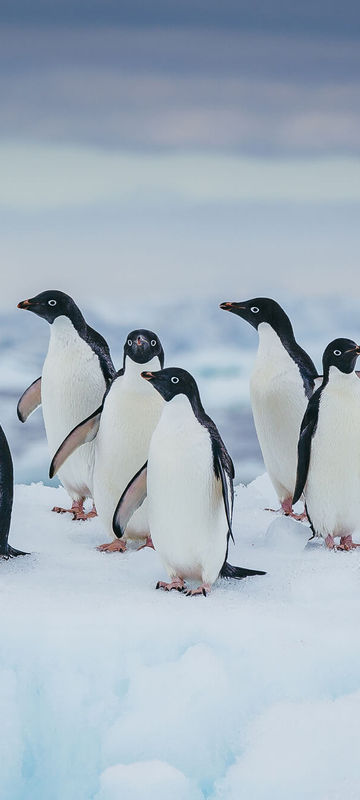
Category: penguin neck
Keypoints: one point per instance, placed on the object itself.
(338, 379)
(181, 410)
(132, 379)
(64, 328)
(271, 338)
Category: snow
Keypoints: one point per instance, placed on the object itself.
(110, 689)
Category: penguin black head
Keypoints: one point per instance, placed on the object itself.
(341, 353)
(260, 309)
(52, 304)
(172, 381)
(142, 345)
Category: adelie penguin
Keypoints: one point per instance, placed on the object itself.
(121, 429)
(188, 480)
(282, 380)
(76, 372)
(6, 499)
(329, 446)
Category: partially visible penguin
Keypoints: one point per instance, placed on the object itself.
(282, 380)
(188, 480)
(6, 499)
(123, 427)
(76, 372)
(329, 449)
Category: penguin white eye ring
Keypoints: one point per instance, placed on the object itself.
(174, 379)
(51, 302)
(129, 342)
(337, 352)
(254, 309)
(153, 342)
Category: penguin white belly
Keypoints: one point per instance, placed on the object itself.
(278, 403)
(72, 387)
(186, 509)
(131, 412)
(332, 490)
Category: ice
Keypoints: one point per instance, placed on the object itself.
(110, 689)
(155, 778)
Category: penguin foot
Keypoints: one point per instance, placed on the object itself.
(329, 542)
(287, 509)
(118, 545)
(77, 510)
(346, 543)
(148, 543)
(178, 584)
(204, 589)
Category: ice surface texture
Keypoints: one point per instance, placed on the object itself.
(109, 689)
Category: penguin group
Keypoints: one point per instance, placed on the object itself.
(138, 443)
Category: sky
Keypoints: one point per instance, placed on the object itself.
(175, 149)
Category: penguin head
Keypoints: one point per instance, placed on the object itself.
(142, 346)
(259, 309)
(50, 305)
(342, 354)
(172, 381)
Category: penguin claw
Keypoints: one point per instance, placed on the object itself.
(179, 585)
(201, 590)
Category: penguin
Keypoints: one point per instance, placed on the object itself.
(77, 370)
(328, 469)
(282, 381)
(188, 480)
(6, 499)
(121, 429)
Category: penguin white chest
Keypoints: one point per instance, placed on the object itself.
(278, 403)
(332, 489)
(131, 412)
(186, 509)
(72, 387)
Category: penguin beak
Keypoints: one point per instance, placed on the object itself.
(24, 304)
(141, 340)
(147, 375)
(234, 307)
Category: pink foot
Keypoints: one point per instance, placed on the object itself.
(77, 510)
(329, 541)
(178, 584)
(204, 589)
(148, 543)
(286, 507)
(346, 543)
(117, 546)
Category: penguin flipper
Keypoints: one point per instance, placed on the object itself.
(30, 400)
(130, 500)
(307, 430)
(82, 433)
(227, 492)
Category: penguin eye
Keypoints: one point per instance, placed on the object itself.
(254, 309)
(153, 342)
(51, 302)
(337, 352)
(174, 379)
(129, 342)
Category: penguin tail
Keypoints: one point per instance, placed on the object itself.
(11, 552)
(228, 571)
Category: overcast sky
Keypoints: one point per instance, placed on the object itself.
(176, 148)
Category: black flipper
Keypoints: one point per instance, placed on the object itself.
(6, 498)
(82, 433)
(29, 401)
(228, 571)
(130, 500)
(307, 431)
(227, 492)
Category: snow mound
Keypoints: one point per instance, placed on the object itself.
(109, 689)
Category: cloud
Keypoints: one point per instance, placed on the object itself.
(158, 89)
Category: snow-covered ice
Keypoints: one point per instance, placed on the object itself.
(109, 689)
